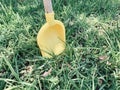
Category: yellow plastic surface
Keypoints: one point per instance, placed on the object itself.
(51, 37)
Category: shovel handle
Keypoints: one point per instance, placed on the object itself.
(48, 6)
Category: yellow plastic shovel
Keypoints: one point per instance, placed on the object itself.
(51, 37)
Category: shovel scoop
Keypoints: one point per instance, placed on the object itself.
(51, 37)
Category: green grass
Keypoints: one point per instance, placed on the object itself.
(91, 60)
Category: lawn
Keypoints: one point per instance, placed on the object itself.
(91, 60)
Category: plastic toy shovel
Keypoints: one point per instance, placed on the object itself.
(51, 37)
